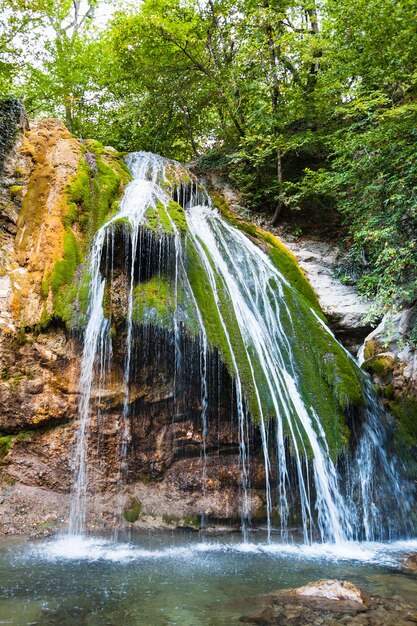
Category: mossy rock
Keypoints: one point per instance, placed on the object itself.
(381, 366)
(404, 411)
(132, 511)
(5, 445)
(92, 199)
(170, 520)
(190, 521)
(283, 259)
(371, 348)
(165, 218)
(16, 191)
(154, 303)
(326, 377)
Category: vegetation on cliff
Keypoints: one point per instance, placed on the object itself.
(91, 199)
(310, 108)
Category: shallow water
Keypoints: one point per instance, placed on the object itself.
(161, 579)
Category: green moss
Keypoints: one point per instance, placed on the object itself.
(158, 220)
(405, 438)
(327, 378)
(177, 214)
(45, 286)
(330, 380)
(372, 348)
(387, 391)
(64, 270)
(96, 189)
(165, 224)
(5, 445)
(91, 198)
(207, 304)
(191, 521)
(16, 191)
(381, 364)
(5, 374)
(121, 222)
(170, 519)
(153, 303)
(158, 302)
(70, 303)
(7, 441)
(132, 511)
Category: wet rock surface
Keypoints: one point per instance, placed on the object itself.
(165, 465)
(411, 563)
(328, 603)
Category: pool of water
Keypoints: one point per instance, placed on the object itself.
(181, 579)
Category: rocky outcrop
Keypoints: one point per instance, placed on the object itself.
(329, 602)
(33, 210)
(341, 303)
(165, 465)
(341, 590)
(389, 355)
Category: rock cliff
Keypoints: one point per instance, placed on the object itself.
(55, 193)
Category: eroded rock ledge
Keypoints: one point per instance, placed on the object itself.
(329, 603)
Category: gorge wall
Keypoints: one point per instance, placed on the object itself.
(55, 193)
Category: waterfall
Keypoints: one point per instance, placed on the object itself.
(229, 296)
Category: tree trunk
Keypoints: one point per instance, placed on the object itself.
(315, 66)
(280, 205)
(68, 117)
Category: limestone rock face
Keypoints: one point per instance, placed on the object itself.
(332, 590)
(32, 211)
(341, 303)
(389, 355)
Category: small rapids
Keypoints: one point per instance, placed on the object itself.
(263, 332)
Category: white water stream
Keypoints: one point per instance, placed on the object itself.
(242, 275)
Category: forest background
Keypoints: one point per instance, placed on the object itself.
(308, 107)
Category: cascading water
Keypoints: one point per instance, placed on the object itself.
(247, 310)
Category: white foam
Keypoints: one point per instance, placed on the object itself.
(78, 547)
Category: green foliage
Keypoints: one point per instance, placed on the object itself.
(375, 193)
(5, 445)
(132, 511)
